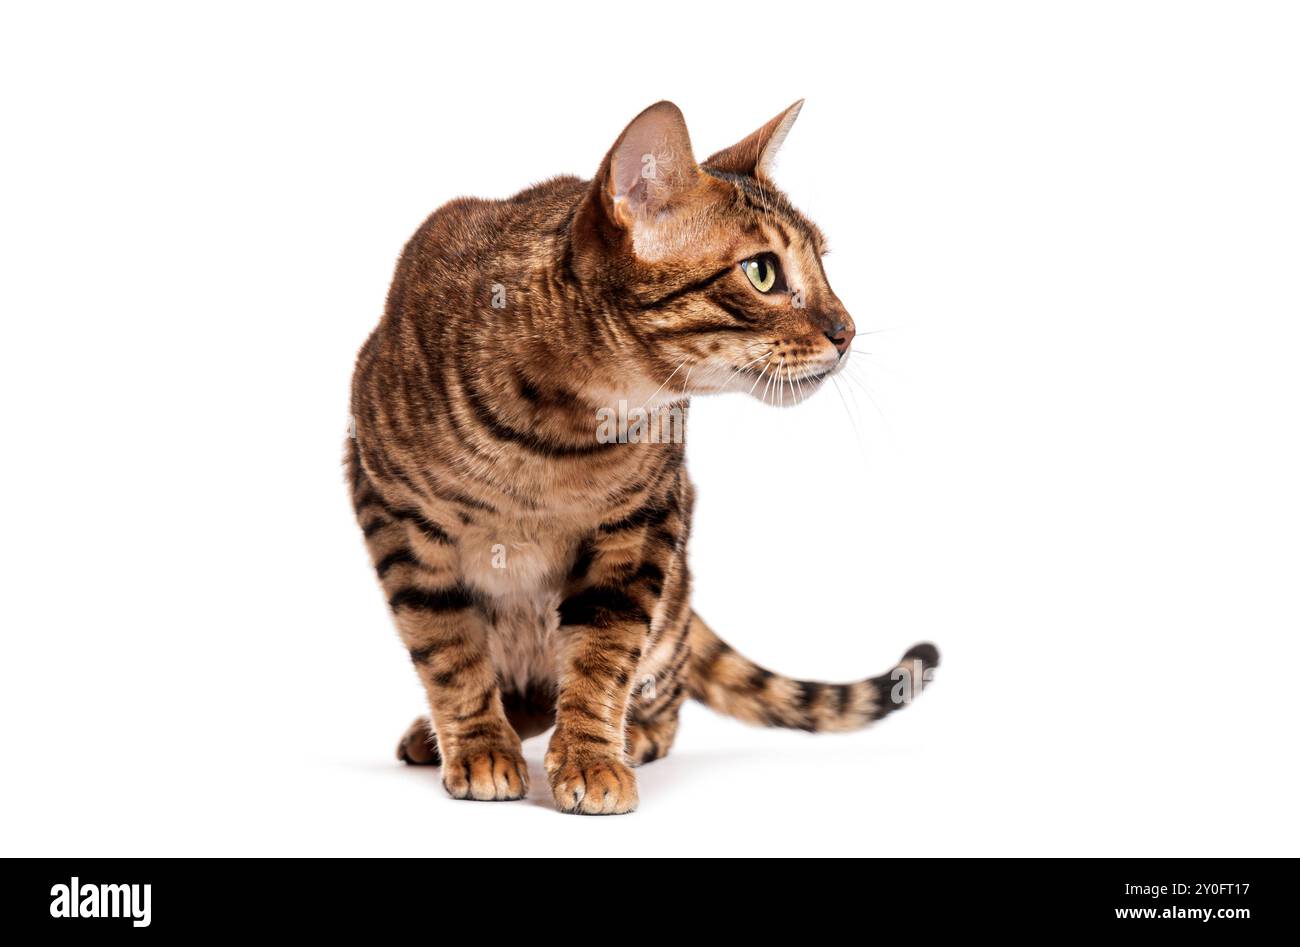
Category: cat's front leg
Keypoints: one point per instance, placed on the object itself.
(604, 624)
(440, 620)
(481, 753)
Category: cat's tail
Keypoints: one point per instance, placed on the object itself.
(734, 685)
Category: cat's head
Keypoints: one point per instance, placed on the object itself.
(720, 277)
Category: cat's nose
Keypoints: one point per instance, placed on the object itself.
(841, 336)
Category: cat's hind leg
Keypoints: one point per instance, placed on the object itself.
(660, 687)
(650, 740)
(529, 713)
(419, 746)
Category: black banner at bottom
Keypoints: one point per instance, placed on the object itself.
(136, 898)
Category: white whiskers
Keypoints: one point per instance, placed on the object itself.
(666, 381)
(761, 374)
(727, 381)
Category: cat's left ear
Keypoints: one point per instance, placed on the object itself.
(753, 156)
(645, 185)
(651, 166)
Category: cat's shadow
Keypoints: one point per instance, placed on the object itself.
(668, 775)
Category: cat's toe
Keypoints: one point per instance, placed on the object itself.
(490, 773)
(601, 786)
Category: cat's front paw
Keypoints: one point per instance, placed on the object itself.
(589, 782)
(485, 772)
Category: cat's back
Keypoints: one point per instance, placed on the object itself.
(470, 240)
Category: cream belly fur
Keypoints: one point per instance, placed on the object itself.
(522, 641)
(520, 569)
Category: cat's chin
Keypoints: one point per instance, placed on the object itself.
(790, 392)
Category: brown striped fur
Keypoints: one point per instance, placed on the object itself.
(537, 570)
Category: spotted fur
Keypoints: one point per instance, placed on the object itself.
(534, 558)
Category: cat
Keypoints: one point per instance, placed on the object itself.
(536, 567)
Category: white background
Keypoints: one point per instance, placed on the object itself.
(1072, 459)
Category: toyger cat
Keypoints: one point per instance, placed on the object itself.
(537, 570)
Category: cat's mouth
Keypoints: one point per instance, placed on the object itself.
(791, 375)
(816, 376)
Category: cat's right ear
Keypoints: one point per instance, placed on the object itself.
(650, 167)
(754, 155)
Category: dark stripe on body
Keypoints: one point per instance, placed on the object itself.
(601, 607)
(525, 439)
(400, 557)
(451, 599)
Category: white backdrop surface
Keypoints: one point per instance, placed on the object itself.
(1069, 456)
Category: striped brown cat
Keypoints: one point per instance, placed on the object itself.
(517, 465)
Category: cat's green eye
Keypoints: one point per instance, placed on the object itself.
(762, 271)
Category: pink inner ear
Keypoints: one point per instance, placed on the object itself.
(660, 132)
(628, 167)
